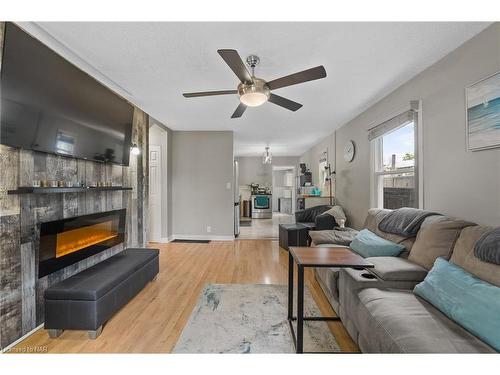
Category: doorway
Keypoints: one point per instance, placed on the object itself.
(284, 190)
(157, 225)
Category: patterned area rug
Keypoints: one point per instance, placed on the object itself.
(249, 318)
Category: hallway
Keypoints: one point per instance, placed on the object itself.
(264, 228)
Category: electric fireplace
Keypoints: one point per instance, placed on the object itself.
(67, 241)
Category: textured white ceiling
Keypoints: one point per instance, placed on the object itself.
(151, 64)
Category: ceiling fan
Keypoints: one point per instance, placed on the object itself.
(255, 91)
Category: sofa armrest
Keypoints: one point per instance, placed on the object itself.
(324, 222)
(396, 269)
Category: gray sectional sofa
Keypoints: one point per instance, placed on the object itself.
(378, 306)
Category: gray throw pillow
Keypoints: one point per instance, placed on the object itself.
(339, 236)
(338, 214)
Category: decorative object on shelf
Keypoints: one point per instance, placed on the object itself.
(483, 113)
(349, 151)
(267, 157)
(76, 189)
(134, 149)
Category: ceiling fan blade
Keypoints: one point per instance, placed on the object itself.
(300, 77)
(208, 93)
(236, 64)
(239, 111)
(284, 102)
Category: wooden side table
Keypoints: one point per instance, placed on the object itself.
(339, 257)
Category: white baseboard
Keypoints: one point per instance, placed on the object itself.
(162, 240)
(200, 237)
(8, 347)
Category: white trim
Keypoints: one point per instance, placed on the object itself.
(24, 337)
(419, 168)
(373, 195)
(161, 240)
(201, 237)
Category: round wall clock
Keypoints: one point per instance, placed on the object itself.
(349, 151)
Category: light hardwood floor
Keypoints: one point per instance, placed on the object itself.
(154, 319)
(265, 228)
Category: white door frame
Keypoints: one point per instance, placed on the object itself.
(155, 193)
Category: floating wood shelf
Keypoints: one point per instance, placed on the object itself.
(55, 190)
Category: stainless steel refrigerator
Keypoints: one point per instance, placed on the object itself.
(236, 190)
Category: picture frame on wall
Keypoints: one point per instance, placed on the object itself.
(483, 113)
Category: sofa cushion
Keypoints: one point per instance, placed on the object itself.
(328, 279)
(463, 255)
(397, 269)
(397, 321)
(327, 245)
(368, 244)
(340, 236)
(309, 214)
(469, 301)
(404, 221)
(373, 219)
(324, 222)
(487, 248)
(436, 238)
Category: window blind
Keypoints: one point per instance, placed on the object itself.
(392, 124)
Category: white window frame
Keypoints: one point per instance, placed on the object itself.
(376, 150)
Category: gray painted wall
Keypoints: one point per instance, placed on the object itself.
(202, 165)
(456, 182)
(252, 169)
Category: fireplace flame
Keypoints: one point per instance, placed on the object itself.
(77, 239)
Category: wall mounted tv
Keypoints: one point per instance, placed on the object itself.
(49, 105)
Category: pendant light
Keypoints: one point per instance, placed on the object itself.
(267, 157)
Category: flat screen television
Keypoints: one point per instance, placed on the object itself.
(49, 105)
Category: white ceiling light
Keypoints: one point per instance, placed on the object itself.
(254, 94)
(267, 158)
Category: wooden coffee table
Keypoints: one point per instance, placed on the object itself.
(339, 257)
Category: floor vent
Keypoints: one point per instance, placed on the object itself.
(191, 241)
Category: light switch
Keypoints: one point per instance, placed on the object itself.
(228, 185)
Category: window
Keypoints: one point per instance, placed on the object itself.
(394, 161)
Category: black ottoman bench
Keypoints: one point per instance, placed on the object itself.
(88, 299)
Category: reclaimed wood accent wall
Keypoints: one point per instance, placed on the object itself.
(21, 291)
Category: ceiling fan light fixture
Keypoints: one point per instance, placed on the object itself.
(254, 94)
(253, 99)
